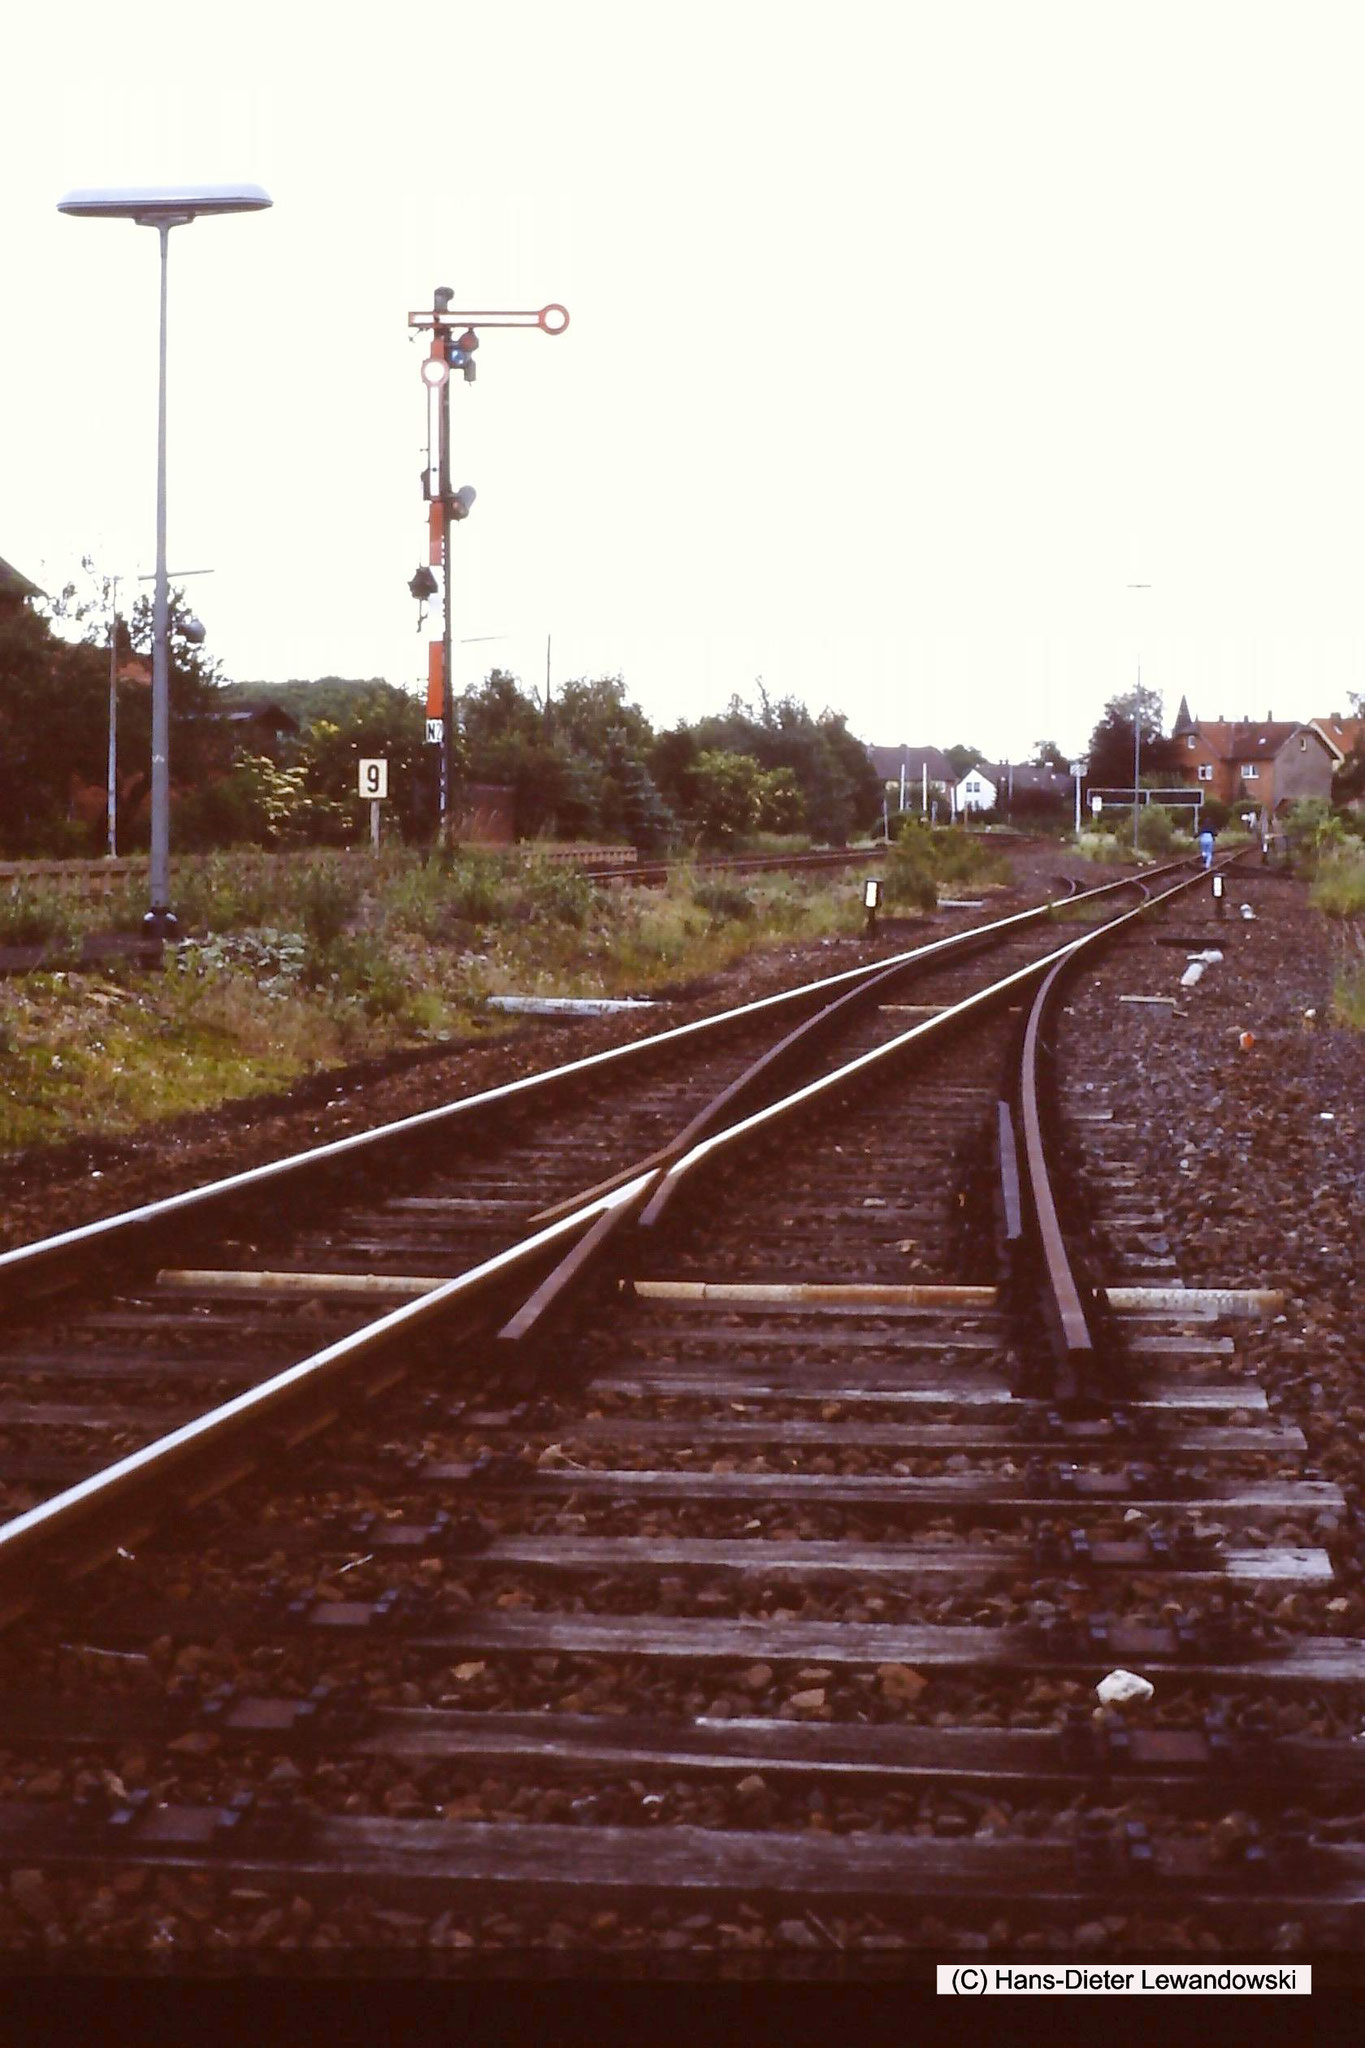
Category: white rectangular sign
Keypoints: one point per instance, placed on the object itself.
(374, 779)
(435, 732)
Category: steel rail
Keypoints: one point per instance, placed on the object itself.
(947, 1022)
(700, 1144)
(80, 1527)
(1070, 1312)
(533, 1315)
(40, 1264)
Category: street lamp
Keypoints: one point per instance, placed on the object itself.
(162, 207)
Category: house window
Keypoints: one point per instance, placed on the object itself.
(1206, 771)
(1303, 743)
(1249, 771)
(1190, 739)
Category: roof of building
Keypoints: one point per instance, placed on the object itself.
(888, 762)
(12, 584)
(1342, 735)
(1244, 739)
(273, 716)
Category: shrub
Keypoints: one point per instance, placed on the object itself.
(1156, 829)
(907, 879)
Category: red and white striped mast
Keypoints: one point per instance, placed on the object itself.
(431, 584)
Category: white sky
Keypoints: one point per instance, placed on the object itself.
(904, 337)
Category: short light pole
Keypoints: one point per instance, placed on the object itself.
(162, 208)
(448, 351)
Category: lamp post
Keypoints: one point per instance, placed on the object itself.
(162, 208)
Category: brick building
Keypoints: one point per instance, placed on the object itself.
(1242, 762)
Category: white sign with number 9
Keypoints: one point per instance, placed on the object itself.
(374, 779)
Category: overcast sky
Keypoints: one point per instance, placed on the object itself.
(904, 338)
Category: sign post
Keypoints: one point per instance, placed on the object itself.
(1078, 769)
(374, 784)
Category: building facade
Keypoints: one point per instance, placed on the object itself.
(1245, 763)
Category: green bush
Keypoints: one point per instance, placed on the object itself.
(907, 879)
(1156, 829)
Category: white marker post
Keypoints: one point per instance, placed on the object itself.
(374, 784)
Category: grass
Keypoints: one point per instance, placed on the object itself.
(1339, 887)
(1348, 983)
(291, 967)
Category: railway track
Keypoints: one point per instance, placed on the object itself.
(687, 1517)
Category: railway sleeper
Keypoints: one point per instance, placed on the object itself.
(426, 1865)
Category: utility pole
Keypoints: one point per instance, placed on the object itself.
(1137, 729)
(445, 504)
(112, 803)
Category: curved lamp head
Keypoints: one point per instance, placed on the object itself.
(162, 205)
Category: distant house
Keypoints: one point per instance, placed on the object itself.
(1343, 735)
(1267, 764)
(259, 728)
(993, 785)
(15, 590)
(913, 770)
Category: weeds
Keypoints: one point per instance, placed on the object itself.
(1348, 987)
(1339, 890)
(724, 903)
(37, 917)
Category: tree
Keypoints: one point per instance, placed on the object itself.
(586, 713)
(1111, 743)
(383, 721)
(727, 796)
(839, 788)
(54, 732)
(631, 805)
(961, 759)
(1047, 754)
(781, 805)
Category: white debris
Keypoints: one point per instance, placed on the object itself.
(1121, 1686)
(1247, 911)
(1198, 962)
(566, 1006)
